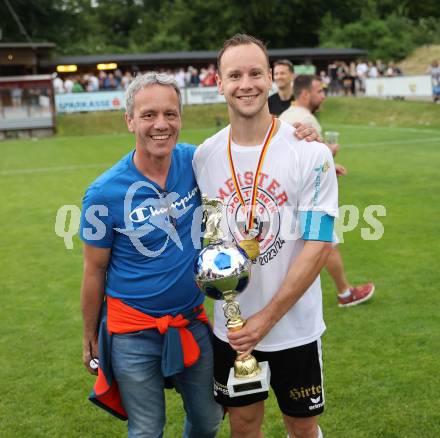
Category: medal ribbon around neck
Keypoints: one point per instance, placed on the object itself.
(250, 215)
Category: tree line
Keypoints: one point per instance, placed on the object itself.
(387, 29)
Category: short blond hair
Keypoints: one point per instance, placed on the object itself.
(240, 39)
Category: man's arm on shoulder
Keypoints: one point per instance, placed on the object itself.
(92, 294)
(306, 132)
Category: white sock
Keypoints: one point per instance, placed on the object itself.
(344, 294)
(320, 435)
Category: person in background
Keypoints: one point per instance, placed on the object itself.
(126, 80)
(346, 80)
(188, 73)
(202, 75)
(325, 81)
(392, 70)
(118, 79)
(68, 84)
(93, 82)
(332, 74)
(194, 78)
(179, 76)
(209, 79)
(381, 67)
(283, 75)
(102, 76)
(434, 71)
(309, 95)
(352, 75)
(77, 86)
(361, 73)
(110, 82)
(58, 84)
(372, 70)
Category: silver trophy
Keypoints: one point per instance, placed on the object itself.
(222, 270)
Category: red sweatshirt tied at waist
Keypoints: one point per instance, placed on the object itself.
(125, 319)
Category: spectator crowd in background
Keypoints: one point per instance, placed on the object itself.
(116, 80)
(350, 79)
(340, 79)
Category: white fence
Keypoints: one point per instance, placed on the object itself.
(99, 101)
(400, 86)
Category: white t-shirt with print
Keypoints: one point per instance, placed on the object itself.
(296, 176)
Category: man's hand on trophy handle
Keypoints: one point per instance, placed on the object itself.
(245, 339)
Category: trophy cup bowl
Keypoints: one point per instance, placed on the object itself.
(222, 271)
(220, 268)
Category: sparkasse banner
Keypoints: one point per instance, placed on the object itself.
(99, 101)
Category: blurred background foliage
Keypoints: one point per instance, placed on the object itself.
(388, 29)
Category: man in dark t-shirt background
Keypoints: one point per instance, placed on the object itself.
(283, 75)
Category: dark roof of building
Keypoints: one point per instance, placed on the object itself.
(316, 52)
(209, 56)
(27, 45)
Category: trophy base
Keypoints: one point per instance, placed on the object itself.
(252, 385)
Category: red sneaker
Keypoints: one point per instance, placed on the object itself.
(358, 295)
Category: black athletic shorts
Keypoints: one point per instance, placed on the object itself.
(296, 378)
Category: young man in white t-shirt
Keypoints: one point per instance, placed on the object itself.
(283, 302)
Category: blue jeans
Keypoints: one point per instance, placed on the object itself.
(136, 362)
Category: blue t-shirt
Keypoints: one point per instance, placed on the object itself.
(149, 232)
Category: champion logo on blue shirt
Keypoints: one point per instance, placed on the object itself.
(156, 213)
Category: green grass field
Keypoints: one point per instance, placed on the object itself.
(381, 359)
